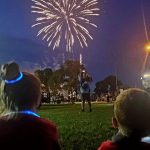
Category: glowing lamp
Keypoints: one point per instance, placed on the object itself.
(146, 75)
(147, 48)
(146, 80)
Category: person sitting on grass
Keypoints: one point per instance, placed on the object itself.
(20, 126)
(132, 118)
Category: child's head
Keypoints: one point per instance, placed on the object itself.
(132, 112)
(19, 91)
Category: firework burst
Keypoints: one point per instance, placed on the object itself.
(65, 19)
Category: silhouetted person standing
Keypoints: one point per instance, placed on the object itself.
(84, 79)
(85, 94)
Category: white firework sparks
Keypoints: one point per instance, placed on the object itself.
(65, 19)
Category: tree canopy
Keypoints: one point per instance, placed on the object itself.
(67, 73)
(110, 83)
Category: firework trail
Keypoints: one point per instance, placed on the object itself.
(65, 20)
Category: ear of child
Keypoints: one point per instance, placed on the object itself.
(114, 123)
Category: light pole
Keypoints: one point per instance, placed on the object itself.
(146, 74)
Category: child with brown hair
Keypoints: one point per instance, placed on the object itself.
(132, 118)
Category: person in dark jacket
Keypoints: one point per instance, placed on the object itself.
(20, 126)
(132, 118)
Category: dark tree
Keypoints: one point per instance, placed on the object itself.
(44, 75)
(109, 84)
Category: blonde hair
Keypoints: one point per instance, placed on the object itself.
(132, 111)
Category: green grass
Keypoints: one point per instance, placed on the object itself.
(81, 130)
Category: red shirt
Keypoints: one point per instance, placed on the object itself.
(108, 145)
(25, 132)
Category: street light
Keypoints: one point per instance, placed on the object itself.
(147, 48)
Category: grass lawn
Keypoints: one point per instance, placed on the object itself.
(81, 130)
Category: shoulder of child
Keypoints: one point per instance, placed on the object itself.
(108, 145)
(49, 127)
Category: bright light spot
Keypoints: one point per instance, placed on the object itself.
(67, 20)
(146, 75)
(147, 48)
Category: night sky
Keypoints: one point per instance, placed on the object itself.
(117, 48)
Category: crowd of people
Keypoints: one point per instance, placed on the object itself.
(84, 93)
(22, 128)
